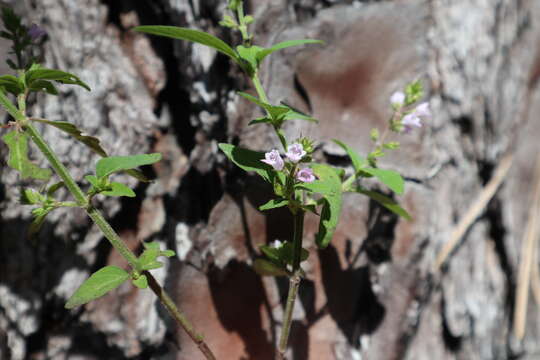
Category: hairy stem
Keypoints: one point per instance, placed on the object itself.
(294, 283)
(113, 237)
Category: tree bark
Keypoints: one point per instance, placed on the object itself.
(374, 292)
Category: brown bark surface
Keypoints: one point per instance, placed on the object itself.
(373, 293)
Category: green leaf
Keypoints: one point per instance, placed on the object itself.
(118, 189)
(30, 197)
(249, 54)
(248, 160)
(190, 35)
(97, 285)
(54, 188)
(39, 219)
(295, 114)
(283, 254)
(10, 108)
(275, 112)
(328, 185)
(92, 142)
(112, 164)
(39, 73)
(274, 203)
(18, 157)
(374, 135)
(387, 203)
(266, 268)
(147, 260)
(390, 178)
(358, 162)
(12, 84)
(261, 120)
(285, 44)
(393, 145)
(45, 86)
(414, 92)
(141, 282)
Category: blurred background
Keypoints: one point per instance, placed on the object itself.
(375, 292)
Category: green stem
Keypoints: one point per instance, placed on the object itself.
(113, 237)
(258, 87)
(294, 283)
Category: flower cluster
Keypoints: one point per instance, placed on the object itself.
(295, 153)
(413, 118)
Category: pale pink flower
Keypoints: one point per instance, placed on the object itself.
(423, 110)
(397, 98)
(305, 175)
(295, 152)
(273, 159)
(411, 120)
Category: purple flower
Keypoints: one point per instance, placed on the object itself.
(305, 175)
(411, 120)
(414, 118)
(274, 159)
(423, 110)
(397, 98)
(295, 152)
(36, 32)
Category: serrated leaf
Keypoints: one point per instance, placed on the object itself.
(112, 164)
(17, 143)
(40, 73)
(92, 142)
(141, 282)
(390, 178)
(248, 160)
(386, 202)
(118, 189)
(358, 162)
(328, 185)
(266, 268)
(274, 203)
(283, 45)
(190, 35)
(97, 285)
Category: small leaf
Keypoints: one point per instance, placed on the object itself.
(12, 84)
(285, 44)
(30, 197)
(45, 86)
(9, 107)
(92, 142)
(112, 164)
(97, 285)
(93, 180)
(387, 203)
(390, 178)
(393, 145)
(358, 162)
(295, 114)
(329, 185)
(275, 112)
(191, 35)
(54, 188)
(266, 268)
(39, 220)
(39, 73)
(249, 54)
(141, 282)
(17, 143)
(274, 203)
(374, 135)
(118, 189)
(261, 120)
(286, 253)
(248, 160)
(147, 260)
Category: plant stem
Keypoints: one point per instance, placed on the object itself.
(294, 283)
(113, 237)
(258, 87)
(178, 316)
